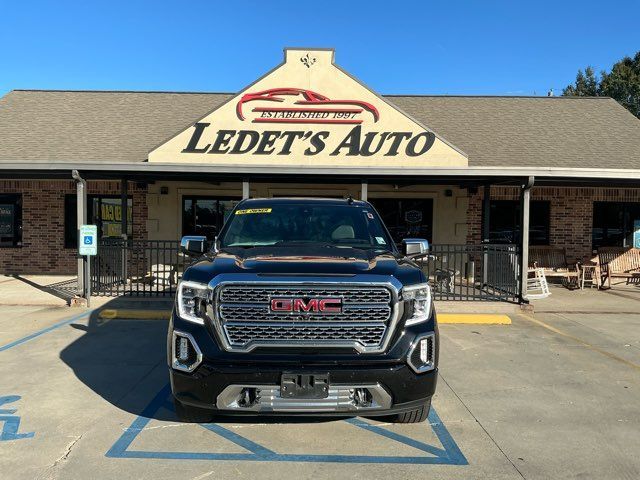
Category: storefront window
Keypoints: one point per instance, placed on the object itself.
(205, 216)
(10, 220)
(406, 217)
(504, 223)
(614, 224)
(105, 211)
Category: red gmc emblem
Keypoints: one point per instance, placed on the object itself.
(309, 305)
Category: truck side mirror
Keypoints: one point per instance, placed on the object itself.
(193, 245)
(415, 246)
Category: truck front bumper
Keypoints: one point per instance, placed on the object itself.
(256, 390)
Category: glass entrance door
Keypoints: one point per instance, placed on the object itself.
(203, 215)
(406, 217)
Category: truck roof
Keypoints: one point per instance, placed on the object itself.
(266, 202)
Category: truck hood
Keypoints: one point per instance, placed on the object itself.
(303, 261)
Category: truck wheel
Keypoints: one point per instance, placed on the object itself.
(414, 416)
(190, 414)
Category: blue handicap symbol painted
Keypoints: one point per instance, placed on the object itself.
(447, 454)
(88, 240)
(11, 423)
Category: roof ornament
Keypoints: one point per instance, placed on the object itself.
(307, 60)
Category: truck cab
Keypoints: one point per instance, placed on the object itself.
(303, 307)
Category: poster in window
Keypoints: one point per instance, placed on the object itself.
(636, 234)
(7, 212)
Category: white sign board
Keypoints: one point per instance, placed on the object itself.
(88, 241)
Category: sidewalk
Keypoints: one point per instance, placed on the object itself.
(45, 290)
(619, 299)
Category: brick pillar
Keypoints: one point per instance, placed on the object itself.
(474, 217)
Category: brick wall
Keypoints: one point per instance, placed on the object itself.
(42, 250)
(571, 215)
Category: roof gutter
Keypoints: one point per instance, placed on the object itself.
(462, 172)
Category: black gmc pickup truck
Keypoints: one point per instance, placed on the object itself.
(303, 306)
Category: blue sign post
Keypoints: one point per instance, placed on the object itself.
(88, 247)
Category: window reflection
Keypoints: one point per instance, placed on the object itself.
(614, 223)
(202, 215)
(406, 217)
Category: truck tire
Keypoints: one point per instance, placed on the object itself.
(417, 415)
(188, 414)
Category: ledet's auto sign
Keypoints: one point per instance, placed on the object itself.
(334, 120)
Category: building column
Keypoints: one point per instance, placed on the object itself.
(81, 205)
(124, 206)
(364, 190)
(525, 200)
(124, 221)
(245, 189)
(486, 218)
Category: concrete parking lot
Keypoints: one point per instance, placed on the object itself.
(554, 395)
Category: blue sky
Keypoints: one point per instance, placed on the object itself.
(414, 47)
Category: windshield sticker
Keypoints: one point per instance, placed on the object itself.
(247, 211)
(380, 241)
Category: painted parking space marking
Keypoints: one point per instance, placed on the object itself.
(48, 329)
(11, 422)
(447, 453)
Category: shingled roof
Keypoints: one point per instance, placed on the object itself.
(89, 126)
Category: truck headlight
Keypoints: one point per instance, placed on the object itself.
(190, 295)
(420, 298)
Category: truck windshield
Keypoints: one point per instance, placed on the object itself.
(296, 224)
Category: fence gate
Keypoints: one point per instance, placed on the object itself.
(137, 267)
(474, 272)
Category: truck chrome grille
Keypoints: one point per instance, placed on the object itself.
(245, 320)
(242, 334)
(248, 313)
(260, 294)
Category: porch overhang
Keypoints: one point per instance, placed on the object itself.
(462, 175)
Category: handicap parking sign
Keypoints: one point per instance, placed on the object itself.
(88, 244)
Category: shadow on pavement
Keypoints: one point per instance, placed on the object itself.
(124, 361)
(64, 290)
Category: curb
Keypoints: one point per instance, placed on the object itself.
(133, 314)
(474, 318)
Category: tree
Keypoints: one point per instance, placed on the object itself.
(622, 84)
(586, 85)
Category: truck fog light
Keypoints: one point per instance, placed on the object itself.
(186, 354)
(362, 397)
(422, 353)
(426, 350)
(183, 349)
(248, 397)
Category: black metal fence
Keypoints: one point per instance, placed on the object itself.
(474, 272)
(456, 272)
(137, 268)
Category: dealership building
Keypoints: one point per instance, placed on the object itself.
(483, 178)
